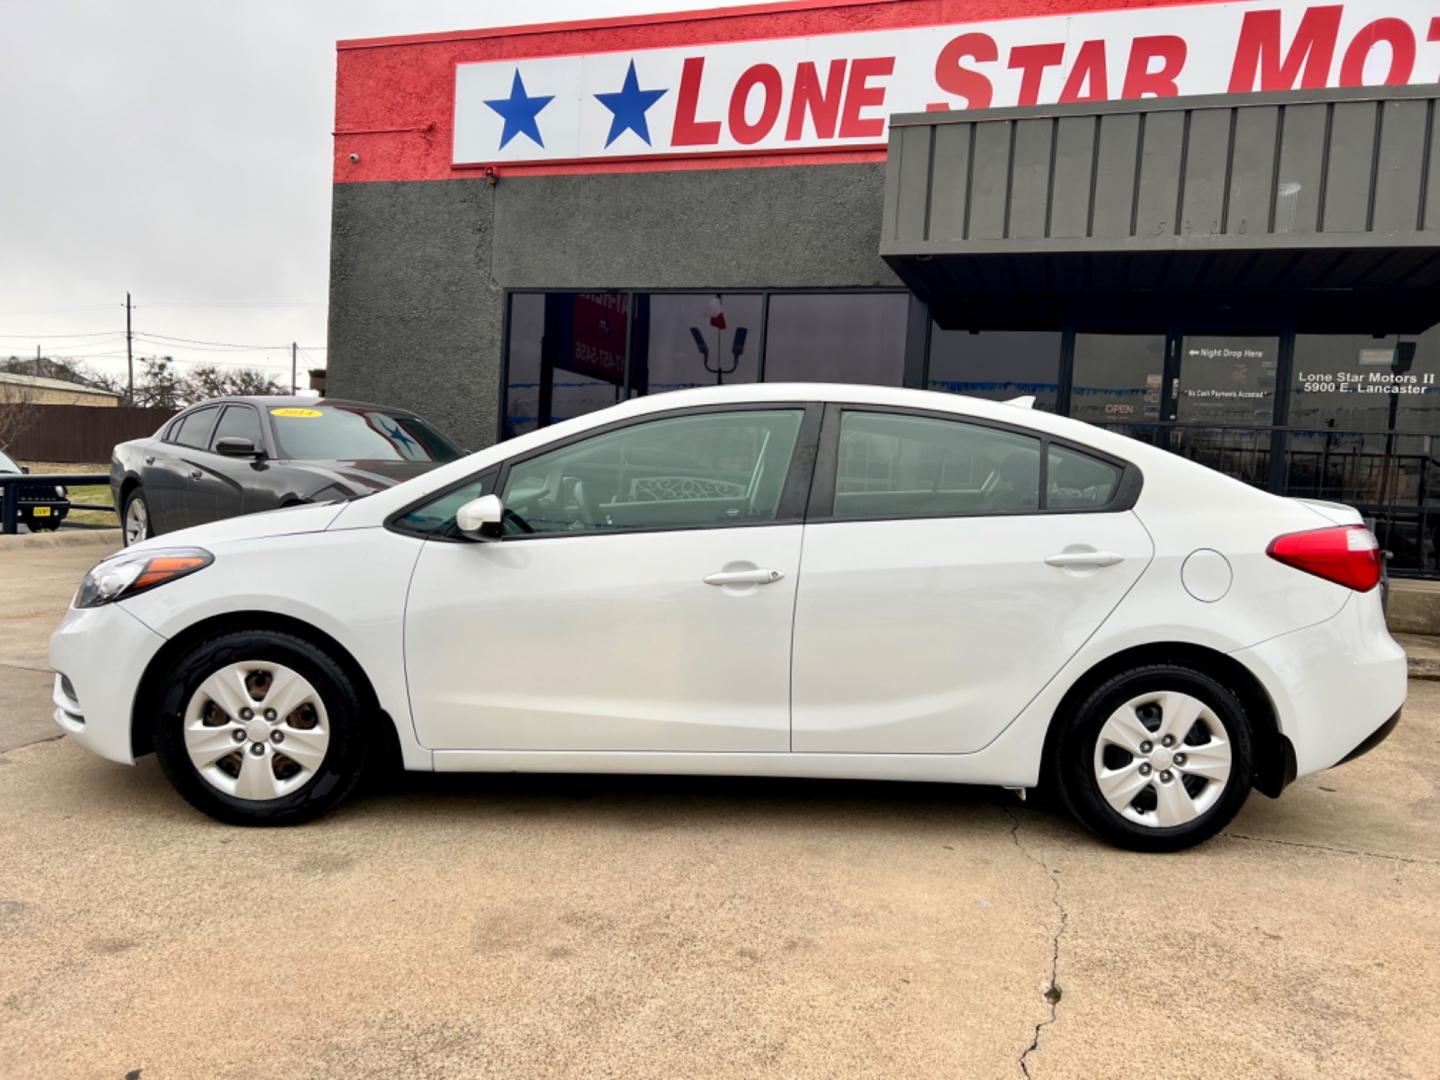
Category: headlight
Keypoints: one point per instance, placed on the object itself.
(128, 573)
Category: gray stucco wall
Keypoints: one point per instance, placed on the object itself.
(418, 270)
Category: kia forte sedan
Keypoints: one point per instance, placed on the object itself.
(780, 580)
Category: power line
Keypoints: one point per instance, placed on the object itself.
(46, 337)
(218, 344)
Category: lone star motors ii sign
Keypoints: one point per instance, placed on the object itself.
(837, 91)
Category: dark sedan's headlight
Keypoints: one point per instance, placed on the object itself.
(129, 573)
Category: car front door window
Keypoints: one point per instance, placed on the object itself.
(711, 470)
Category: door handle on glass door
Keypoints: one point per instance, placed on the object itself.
(1084, 558)
(743, 577)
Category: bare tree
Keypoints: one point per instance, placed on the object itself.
(18, 411)
(210, 381)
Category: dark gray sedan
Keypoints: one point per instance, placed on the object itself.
(234, 456)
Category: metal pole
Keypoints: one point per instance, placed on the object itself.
(294, 386)
(37, 361)
(129, 353)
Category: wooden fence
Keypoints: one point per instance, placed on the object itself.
(82, 434)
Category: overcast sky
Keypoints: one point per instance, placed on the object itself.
(180, 149)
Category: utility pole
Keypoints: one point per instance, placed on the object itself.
(37, 361)
(294, 386)
(129, 353)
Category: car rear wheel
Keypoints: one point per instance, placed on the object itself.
(135, 518)
(261, 728)
(1158, 758)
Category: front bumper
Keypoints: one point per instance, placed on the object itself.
(99, 656)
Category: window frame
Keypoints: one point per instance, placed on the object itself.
(826, 471)
(794, 494)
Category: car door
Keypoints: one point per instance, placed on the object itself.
(165, 470)
(951, 568)
(218, 484)
(641, 597)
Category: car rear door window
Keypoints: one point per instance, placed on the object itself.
(193, 429)
(708, 470)
(894, 465)
(238, 422)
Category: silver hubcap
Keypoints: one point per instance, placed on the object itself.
(137, 522)
(1162, 759)
(256, 730)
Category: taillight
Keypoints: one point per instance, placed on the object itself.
(1346, 554)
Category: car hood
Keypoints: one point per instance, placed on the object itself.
(287, 521)
(349, 478)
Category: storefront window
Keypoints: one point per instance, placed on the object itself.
(996, 364)
(1117, 382)
(566, 356)
(1229, 382)
(1364, 416)
(687, 339)
(836, 337)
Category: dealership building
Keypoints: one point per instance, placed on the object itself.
(1214, 226)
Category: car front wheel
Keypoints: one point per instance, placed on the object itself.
(260, 728)
(135, 518)
(1158, 758)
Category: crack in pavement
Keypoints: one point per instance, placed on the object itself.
(1333, 850)
(25, 667)
(1052, 989)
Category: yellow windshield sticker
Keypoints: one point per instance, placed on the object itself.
(296, 412)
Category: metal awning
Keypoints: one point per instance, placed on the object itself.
(1314, 209)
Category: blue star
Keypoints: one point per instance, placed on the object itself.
(519, 111)
(628, 106)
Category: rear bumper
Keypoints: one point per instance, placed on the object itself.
(1336, 686)
(1374, 739)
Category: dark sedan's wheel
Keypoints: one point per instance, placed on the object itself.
(1156, 759)
(135, 518)
(261, 728)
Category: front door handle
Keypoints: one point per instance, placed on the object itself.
(743, 577)
(1084, 558)
(195, 474)
(149, 461)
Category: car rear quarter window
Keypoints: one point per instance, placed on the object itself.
(1076, 481)
(893, 465)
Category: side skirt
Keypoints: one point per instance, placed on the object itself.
(942, 768)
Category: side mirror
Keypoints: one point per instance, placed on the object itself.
(238, 446)
(480, 518)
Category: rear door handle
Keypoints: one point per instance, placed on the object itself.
(149, 461)
(1084, 558)
(195, 474)
(743, 577)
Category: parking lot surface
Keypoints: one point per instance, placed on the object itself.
(542, 926)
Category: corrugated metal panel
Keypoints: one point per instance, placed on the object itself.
(1334, 169)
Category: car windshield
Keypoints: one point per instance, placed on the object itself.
(352, 433)
(7, 464)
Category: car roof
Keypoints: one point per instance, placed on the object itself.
(266, 401)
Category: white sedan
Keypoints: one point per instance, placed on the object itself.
(779, 580)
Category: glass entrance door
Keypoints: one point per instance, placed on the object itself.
(1224, 402)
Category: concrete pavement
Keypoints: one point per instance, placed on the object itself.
(509, 926)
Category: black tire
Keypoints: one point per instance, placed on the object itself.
(1072, 766)
(349, 720)
(136, 495)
